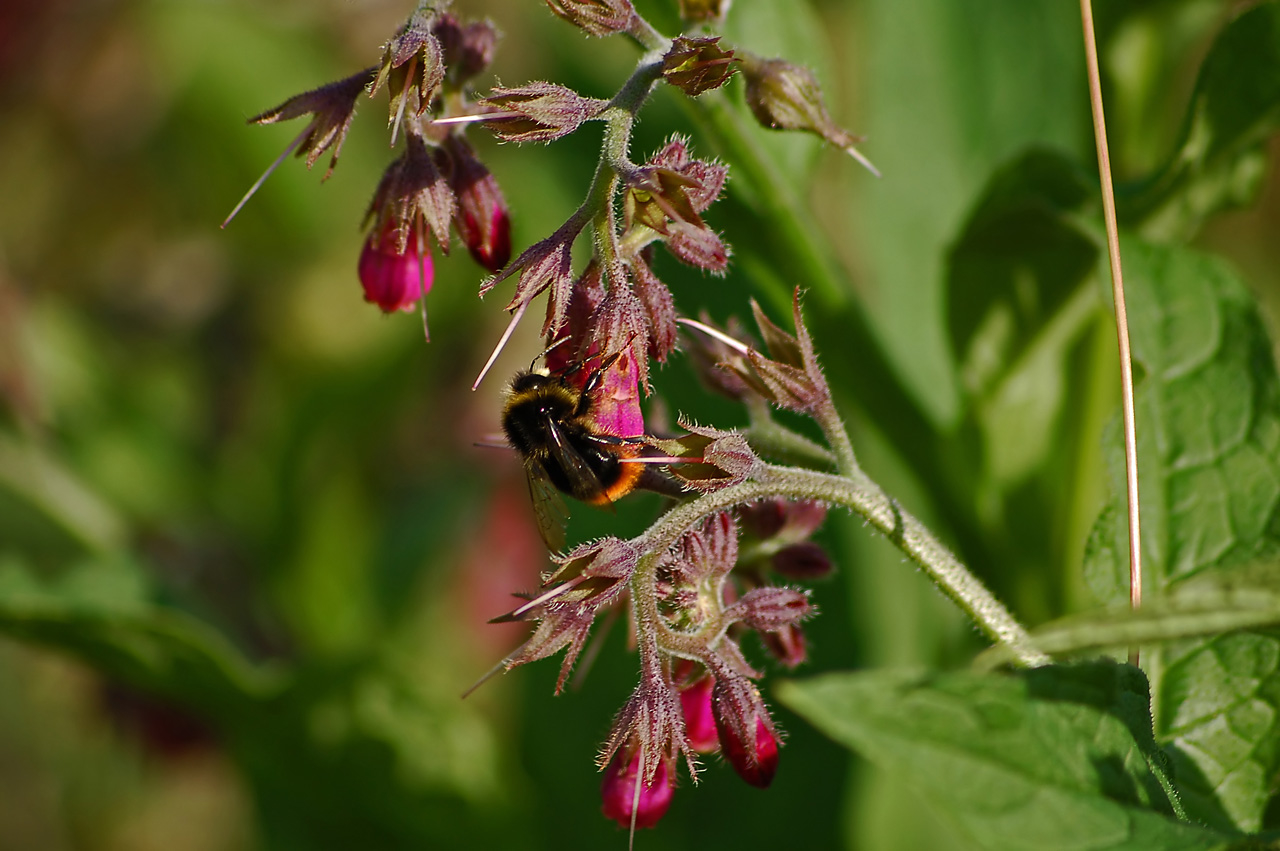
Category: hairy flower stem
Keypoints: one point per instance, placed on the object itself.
(774, 440)
(858, 494)
(619, 119)
(838, 439)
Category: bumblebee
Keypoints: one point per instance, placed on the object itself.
(549, 422)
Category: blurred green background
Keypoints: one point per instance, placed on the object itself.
(248, 548)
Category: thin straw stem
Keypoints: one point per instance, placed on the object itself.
(1122, 321)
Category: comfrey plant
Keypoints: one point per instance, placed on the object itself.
(716, 564)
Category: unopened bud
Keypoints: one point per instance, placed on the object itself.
(764, 519)
(393, 279)
(701, 248)
(596, 17)
(699, 722)
(747, 735)
(618, 791)
(784, 96)
(704, 11)
(805, 560)
(481, 215)
(696, 64)
(787, 645)
(467, 50)
(540, 111)
(771, 608)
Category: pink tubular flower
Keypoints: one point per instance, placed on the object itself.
(699, 723)
(391, 280)
(617, 406)
(618, 791)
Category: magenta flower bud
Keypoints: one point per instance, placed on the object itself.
(787, 645)
(481, 215)
(771, 608)
(699, 723)
(763, 519)
(392, 280)
(748, 739)
(805, 560)
(618, 791)
(696, 64)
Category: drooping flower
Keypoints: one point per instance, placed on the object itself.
(748, 738)
(618, 791)
(481, 216)
(393, 279)
(699, 723)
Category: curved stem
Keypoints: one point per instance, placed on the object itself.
(881, 511)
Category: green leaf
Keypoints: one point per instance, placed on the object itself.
(1054, 758)
(952, 91)
(100, 612)
(369, 754)
(44, 505)
(1017, 303)
(1208, 407)
(1218, 162)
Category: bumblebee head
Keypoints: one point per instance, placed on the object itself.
(531, 381)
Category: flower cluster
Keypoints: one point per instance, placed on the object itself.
(700, 598)
(437, 183)
(715, 568)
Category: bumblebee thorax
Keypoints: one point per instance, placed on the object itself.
(535, 401)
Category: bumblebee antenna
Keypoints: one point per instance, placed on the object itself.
(555, 344)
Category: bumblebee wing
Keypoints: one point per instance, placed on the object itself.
(549, 509)
(582, 479)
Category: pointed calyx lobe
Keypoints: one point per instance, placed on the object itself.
(412, 62)
(539, 111)
(413, 190)
(546, 265)
(652, 720)
(790, 376)
(596, 17)
(696, 64)
(590, 578)
(332, 107)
